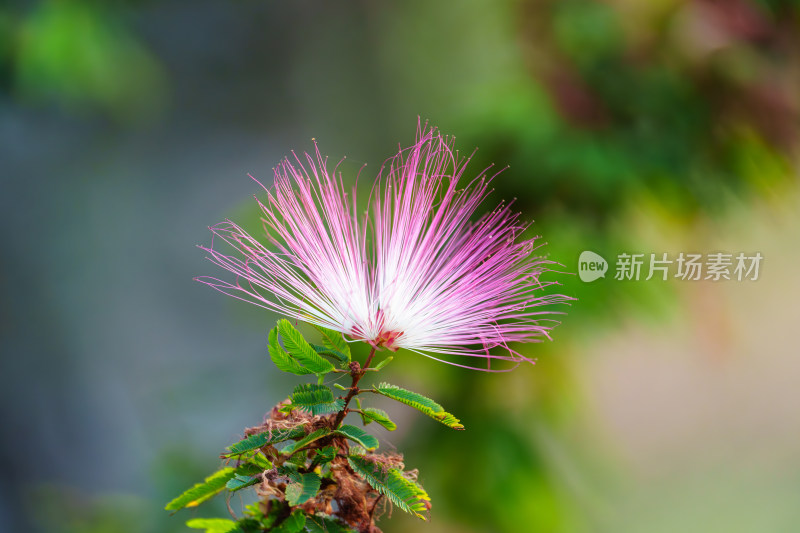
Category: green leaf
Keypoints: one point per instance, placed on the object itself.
(370, 414)
(358, 435)
(298, 348)
(289, 470)
(200, 492)
(382, 363)
(250, 525)
(239, 482)
(357, 450)
(214, 525)
(311, 437)
(324, 456)
(283, 360)
(293, 524)
(334, 340)
(316, 399)
(250, 469)
(420, 403)
(254, 442)
(336, 354)
(400, 490)
(254, 510)
(298, 459)
(322, 524)
(274, 512)
(303, 489)
(260, 461)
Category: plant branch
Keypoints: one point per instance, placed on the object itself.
(356, 372)
(374, 505)
(369, 358)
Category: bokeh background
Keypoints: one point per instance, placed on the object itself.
(129, 126)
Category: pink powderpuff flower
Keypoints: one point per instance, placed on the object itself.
(412, 271)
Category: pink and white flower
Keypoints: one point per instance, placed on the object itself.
(411, 271)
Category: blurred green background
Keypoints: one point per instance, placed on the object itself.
(129, 126)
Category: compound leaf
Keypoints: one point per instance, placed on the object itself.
(420, 403)
(316, 399)
(358, 435)
(214, 525)
(303, 489)
(301, 350)
(323, 524)
(336, 354)
(334, 340)
(324, 456)
(200, 492)
(239, 482)
(293, 523)
(283, 360)
(391, 482)
(370, 414)
(254, 442)
(260, 461)
(311, 437)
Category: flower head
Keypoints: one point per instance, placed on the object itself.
(411, 271)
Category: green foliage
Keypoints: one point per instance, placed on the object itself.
(371, 414)
(239, 482)
(420, 403)
(390, 482)
(254, 442)
(382, 363)
(323, 524)
(324, 456)
(265, 516)
(357, 450)
(260, 461)
(303, 488)
(305, 473)
(200, 492)
(230, 478)
(283, 360)
(358, 435)
(335, 341)
(250, 525)
(297, 459)
(336, 354)
(316, 399)
(301, 350)
(415, 400)
(294, 523)
(308, 439)
(214, 525)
